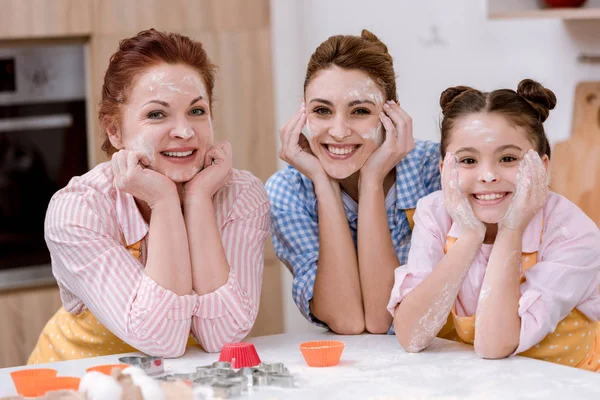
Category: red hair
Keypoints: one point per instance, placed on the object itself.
(133, 58)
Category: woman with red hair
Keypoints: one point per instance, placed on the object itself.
(166, 239)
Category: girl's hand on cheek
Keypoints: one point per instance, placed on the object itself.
(456, 203)
(295, 149)
(217, 171)
(132, 175)
(399, 141)
(530, 195)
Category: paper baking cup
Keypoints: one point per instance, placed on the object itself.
(58, 383)
(108, 368)
(240, 355)
(322, 353)
(25, 380)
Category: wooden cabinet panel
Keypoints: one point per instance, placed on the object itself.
(24, 19)
(24, 313)
(270, 314)
(132, 16)
(575, 171)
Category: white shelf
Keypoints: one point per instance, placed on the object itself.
(516, 9)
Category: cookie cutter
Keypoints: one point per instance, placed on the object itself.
(260, 378)
(226, 390)
(281, 380)
(151, 365)
(227, 382)
(277, 368)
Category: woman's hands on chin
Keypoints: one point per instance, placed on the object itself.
(216, 174)
(132, 175)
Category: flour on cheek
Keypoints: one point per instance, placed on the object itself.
(143, 145)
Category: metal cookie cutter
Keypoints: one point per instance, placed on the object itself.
(226, 390)
(281, 380)
(260, 378)
(277, 368)
(150, 365)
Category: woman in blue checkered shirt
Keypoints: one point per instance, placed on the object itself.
(351, 152)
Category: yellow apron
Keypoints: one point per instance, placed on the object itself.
(575, 341)
(69, 337)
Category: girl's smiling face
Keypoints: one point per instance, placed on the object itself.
(167, 117)
(489, 150)
(343, 127)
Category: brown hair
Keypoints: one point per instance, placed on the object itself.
(528, 108)
(365, 52)
(134, 56)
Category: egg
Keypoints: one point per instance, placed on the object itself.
(150, 388)
(98, 386)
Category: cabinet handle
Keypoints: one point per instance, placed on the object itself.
(58, 121)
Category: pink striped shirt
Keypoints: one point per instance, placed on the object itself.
(90, 222)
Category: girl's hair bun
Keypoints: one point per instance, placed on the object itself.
(449, 95)
(541, 99)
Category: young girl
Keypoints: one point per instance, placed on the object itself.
(350, 129)
(497, 260)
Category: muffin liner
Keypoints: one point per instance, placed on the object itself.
(240, 355)
(322, 353)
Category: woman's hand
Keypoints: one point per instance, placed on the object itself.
(531, 193)
(216, 173)
(399, 141)
(456, 203)
(132, 175)
(295, 149)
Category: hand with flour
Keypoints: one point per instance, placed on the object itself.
(456, 203)
(530, 195)
(216, 173)
(399, 141)
(133, 176)
(295, 149)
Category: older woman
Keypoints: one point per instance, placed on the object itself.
(166, 238)
(342, 210)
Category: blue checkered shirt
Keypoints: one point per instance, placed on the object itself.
(295, 221)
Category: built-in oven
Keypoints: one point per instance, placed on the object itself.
(42, 146)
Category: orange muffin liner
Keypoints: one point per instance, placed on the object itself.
(322, 353)
(59, 383)
(25, 380)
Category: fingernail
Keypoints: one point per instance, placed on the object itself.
(392, 101)
(386, 105)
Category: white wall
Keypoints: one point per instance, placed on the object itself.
(470, 50)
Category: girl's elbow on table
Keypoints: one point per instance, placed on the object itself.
(346, 326)
(493, 351)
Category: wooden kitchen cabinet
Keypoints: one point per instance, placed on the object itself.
(29, 19)
(24, 313)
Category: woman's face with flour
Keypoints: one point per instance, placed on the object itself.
(489, 150)
(167, 117)
(343, 127)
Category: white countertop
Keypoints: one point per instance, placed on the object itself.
(376, 367)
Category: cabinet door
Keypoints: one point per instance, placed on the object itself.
(24, 313)
(25, 19)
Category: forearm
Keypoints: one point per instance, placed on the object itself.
(337, 299)
(377, 258)
(168, 262)
(498, 323)
(210, 268)
(424, 311)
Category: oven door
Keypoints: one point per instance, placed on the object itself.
(42, 146)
